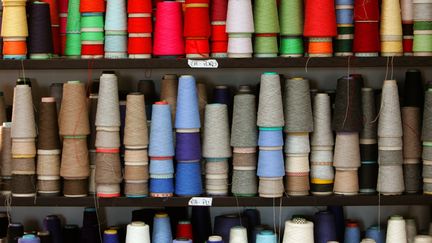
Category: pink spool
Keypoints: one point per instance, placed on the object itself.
(168, 33)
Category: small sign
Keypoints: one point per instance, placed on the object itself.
(209, 63)
(201, 201)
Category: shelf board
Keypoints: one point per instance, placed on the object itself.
(358, 200)
(166, 63)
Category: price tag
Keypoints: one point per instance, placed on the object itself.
(209, 63)
(201, 201)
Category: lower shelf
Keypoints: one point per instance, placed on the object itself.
(357, 200)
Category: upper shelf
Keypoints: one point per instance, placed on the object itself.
(222, 63)
(357, 200)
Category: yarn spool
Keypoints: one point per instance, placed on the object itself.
(347, 150)
(411, 229)
(52, 224)
(324, 229)
(414, 91)
(238, 234)
(161, 151)
(161, 228)
(136, 131)
(239, 26)
(297, 106)
(14, 29)
(411, 146)
(270, 187)
(368, 171)
(422, 36)
(219, 37)
(390, 176)
(187, 112)
(320, 26)
(40, 36)
(366, 28)
(184, 230)
(23, 185)
(352, 232)
(396, 231)
(407, 26)
(188, 179)
(298, 229)
(345, 28)
(270, 101)
(72, 48)
(348, 105)
(14, 231)
(92, 29)
(169, 86)
(196, 28)
(266, 23)
(115, 29)
(168, 36)
(139, 28)
(322, 175)
(375, 233)
(23, 123)
(346, 182)
(138, 232)
(108, 113)
(243, 130)
(291, 28)
(73, 120)
(391, 29)
(216, 143)
(48, 148)
(6, 152)
(108, 174)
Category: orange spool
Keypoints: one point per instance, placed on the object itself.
(320, 48)
(140, 25)
(14, 47)
(92, 6)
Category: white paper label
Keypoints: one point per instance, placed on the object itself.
(209, 63)
(201, 201)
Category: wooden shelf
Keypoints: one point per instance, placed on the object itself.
(358, 200)
(156, 63)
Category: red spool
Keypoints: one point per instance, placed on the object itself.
(63, 6)
(140, 25)
(55, 30)
(92, 6)
(63, 23)
(219, 47)
(139, 45)
(139, 6)
(54, 11)
(87, 49)
(219, 10)
(184, 230)
(197, 19)
(408, 45)
(219, 33)
(366, 37)
(62, 44)
(320, 18)
(366, 10)
(198, 46)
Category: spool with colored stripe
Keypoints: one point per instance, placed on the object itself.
(240, 26)
(291, 28)
(320, 27)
